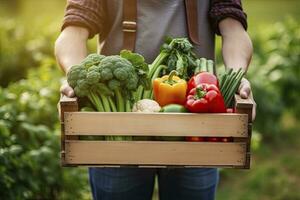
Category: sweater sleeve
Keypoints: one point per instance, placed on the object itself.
(221, 9)
(85, 13)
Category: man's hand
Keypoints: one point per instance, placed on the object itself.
(237, 52)
(67, 90)
(245, 92)
(245, 89)
(70, 49)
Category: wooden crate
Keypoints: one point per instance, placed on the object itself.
(77, 152)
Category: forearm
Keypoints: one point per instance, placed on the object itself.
(236, 44)
(70, 47)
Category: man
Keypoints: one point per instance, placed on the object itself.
(155, 20)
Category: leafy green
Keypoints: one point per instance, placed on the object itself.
(30, 140)
(175, 54)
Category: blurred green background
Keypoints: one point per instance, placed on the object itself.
(29, 85)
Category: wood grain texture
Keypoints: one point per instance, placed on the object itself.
(156, 124)
(242, 103)
(155, 153)
(65, 105)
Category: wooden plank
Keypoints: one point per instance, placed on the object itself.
(156, 124)
(242, 103)
(68, 101)
(154, 166)
(244, 106)
(155, 153)
(248, 149)
(66, 105)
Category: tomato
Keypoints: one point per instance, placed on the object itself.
(213, 139)
(226, 139)
(194, 139)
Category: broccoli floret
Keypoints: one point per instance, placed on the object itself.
(82, 88)
(77, 72)
(132, 82)
(114, 84)
(82, 81)
(93, 75)
(106, 73)
(92, 59)
(119, 69)
(115, 67)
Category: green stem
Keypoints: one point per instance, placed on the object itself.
(224, 85)
(199, 93)
(139, 93)
(157, 62)
(147, 93)
(120, 101)
(151, 95)
(127, 106)
(229, 96)
(210, 66)
(96, 101)
(105, 103)
(231, 82)
(197, 69)
(223, 76)
(112, 104)
(180, 68)
(203, 67)
(170, 77)
(157, 72)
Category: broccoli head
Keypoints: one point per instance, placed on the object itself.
(109, 82)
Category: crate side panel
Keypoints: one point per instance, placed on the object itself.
(156, 124)
(155, 153)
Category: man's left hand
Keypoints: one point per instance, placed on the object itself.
(245, 92)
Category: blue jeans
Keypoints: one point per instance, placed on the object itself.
(138, 183)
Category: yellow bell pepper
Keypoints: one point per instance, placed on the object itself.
(169, 89)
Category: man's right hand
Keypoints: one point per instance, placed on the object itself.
(67, 90)
(70, 49)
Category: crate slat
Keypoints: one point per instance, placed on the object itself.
(156, 124)
(154, 153)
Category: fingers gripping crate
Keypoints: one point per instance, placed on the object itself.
(76, 152)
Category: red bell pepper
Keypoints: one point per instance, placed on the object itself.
(202, 77)
(205, 98)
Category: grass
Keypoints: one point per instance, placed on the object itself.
(274, 174)
(263, 12)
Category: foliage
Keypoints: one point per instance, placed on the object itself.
(275, 75)
(29, 140)
(275, 78)
(21, 49)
